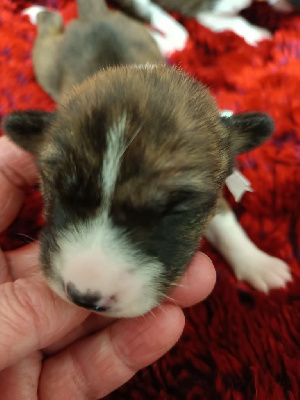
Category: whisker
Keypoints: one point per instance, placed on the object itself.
(170, 298)
(29, 256)
(131, 140)
(162, 308)
(179, 285)
(153, 315)
(26, 237)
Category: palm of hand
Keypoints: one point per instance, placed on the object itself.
(52, 349)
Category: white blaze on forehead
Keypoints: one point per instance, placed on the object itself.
(112, 158)
(115, 149)
(97, 257)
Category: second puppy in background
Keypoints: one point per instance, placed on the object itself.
(99, 38)
(217, 15)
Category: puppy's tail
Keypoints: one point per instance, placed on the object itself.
(89, 10)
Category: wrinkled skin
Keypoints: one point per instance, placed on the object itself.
(52, 349)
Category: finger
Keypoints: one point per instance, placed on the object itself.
(17, 171)
(24, 262)
(5, 275)
(114, 354)
(197, 282)
(20, 381)
(195, 286)
(31, 318)
(92, 324)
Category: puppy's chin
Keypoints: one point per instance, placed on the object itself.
(98, 268)
(135, 304)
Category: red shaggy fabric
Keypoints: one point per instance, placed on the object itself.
(239, 344)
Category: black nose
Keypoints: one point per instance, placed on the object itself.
(85, 300)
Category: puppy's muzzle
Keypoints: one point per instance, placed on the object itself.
(90, 301)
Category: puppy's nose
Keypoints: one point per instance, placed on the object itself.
(88, 300)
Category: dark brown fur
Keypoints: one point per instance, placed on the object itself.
(160, 170)
(178, 150)
(171, 175)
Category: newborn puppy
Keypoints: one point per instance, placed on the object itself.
(99, 38)
(217, 15)
(132, 166)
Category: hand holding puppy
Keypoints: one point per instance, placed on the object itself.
(51, 349)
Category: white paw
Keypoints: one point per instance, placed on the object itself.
(263, 272)
(32, 12)
(254, 35)
(168, 45)
(174, 35)
(220, 23)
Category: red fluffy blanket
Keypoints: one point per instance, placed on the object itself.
(238, 344)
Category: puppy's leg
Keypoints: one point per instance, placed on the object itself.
(248, 262)
(173, 35)
(219, 23)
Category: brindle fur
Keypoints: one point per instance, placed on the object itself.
(171, 175)
(179, 150)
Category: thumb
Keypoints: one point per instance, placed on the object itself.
(17, 172)
(102, 362)
(31, 318)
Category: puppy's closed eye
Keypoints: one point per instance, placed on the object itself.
(181, 201)
(166, 205)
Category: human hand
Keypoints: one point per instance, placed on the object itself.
(50, 349)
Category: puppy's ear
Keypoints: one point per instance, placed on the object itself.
(27, 128)
(248, 130)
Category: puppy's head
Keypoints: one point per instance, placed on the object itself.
(131, 165)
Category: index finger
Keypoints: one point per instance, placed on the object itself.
(17, 171)
(31, 318)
